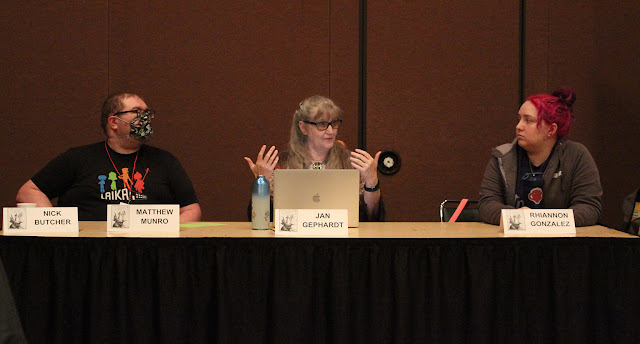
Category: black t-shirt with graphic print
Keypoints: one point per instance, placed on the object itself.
(85, 177)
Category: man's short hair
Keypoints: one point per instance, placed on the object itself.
(112, 105)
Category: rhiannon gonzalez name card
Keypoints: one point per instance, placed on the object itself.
(143, 217)
(29, 221)
(538, 222)
(312, 222)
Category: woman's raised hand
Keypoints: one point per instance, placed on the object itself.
(265, 163)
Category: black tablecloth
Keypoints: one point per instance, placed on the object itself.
(10, 328)
(254, 290)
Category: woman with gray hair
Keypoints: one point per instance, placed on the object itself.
(313, 144)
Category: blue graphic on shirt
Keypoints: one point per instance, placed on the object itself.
(102, 178)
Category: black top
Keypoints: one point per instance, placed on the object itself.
(85, 177)
(529, 182)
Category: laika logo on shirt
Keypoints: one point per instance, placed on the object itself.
(122, 187)
(536, 195)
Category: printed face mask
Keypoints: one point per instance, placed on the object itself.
(141, 126)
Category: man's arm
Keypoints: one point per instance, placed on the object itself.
(30, 193)
(190, 213)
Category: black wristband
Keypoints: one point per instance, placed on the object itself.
(373, 189)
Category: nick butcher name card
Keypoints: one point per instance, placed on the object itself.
(26, 221)
(538, 222)
(143, 217)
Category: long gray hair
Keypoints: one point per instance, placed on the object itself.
(312, 109)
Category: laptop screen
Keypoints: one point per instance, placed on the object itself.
(318, 189)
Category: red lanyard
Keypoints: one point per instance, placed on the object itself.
(114, 166)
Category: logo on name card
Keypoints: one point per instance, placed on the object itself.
(289, 220)
(515, 222)
(17, 218)
(120, 216)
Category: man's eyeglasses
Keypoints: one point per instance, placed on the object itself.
(335, 124)
(139, 112)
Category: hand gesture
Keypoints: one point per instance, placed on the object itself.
(265, 163)
(367, 165)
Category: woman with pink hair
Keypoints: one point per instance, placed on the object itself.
(541, 168)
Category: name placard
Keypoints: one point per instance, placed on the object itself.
(312, 222)
(40, 220)
(538, 222)
(143, 217)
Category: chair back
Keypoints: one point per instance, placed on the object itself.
(470, 212)
(631, 221)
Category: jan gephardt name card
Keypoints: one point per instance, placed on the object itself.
(538, 222)
(312, 222)
(42, 220)
(143, 217)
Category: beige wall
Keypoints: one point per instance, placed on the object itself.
(442, 85)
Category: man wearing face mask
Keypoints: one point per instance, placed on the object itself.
(120, 169)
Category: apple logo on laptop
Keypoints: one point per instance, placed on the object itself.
(316, 198)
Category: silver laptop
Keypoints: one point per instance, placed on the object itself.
(318, 189)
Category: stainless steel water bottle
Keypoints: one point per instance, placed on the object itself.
(260, 203)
